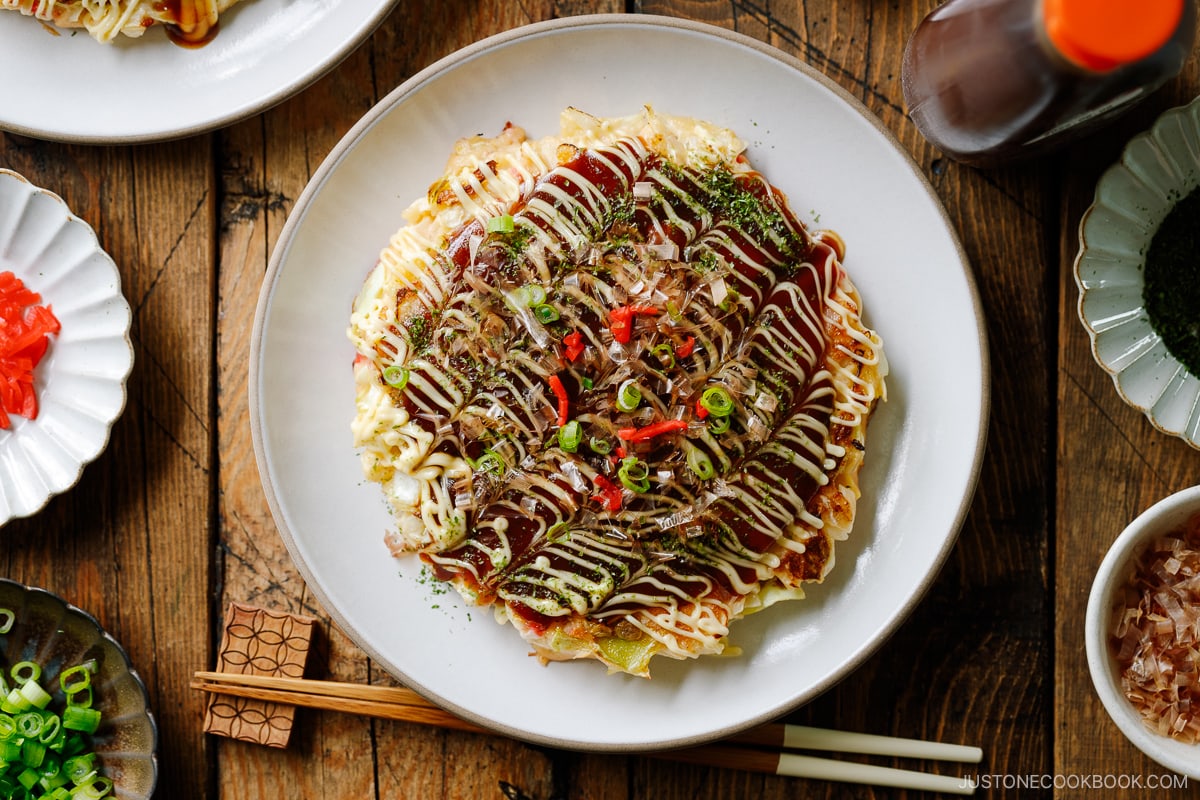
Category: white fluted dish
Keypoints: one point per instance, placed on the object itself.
(80, 383)
(1158, 168)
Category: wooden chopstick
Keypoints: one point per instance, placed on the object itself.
(738, 752)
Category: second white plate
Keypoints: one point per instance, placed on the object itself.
(836, 162)
(72, 88)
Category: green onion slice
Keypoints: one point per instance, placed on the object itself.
(634, 474)
(718, 425)
(545, 313)
(488, 461)
(395, 376)
(665, 354)
(7, 618)
(717, 401)
(628, 396)
(23, 671)
(699, 463)
(536, 294)
(601, 446)
(500, 224)
(570, 435)
(558, 532)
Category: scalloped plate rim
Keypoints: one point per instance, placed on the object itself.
(1146, 136)
(120, 373)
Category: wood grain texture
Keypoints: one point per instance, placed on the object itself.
(1112, 465)
(170, 524)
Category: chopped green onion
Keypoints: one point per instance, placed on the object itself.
(7, 618)
(33, 753)
(557, 532)
(35, 694)
(80, 767)
(489, 461)
(29, 724)
(395, 376)
(601, 446)
(628, 396)
(80, 697)
(717, 401)
(28, 778)
(699, 463)
(14, 702)
(500, 224)
(634, 475)
(52, 729)
(570, 435)
(94, 790)
(718, 425)
(76, 678)
(81, 718)
(23, 671)
(665, 354)
(545, 313)
(587, 383)
(535, 294)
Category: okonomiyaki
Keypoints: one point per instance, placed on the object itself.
(613, 388)
(187, 21)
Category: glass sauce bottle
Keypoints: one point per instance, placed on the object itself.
(989, 81)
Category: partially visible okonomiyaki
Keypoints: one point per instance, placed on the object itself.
(613, 388)
(188, 21)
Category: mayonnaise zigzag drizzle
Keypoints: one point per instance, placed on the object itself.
(612, 387)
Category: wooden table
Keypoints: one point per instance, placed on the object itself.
(170, 525)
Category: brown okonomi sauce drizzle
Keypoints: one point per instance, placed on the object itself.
(623, 402)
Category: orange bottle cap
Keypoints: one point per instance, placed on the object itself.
(1103, 34)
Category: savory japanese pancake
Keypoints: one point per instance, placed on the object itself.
(612, 387)
(188, 21)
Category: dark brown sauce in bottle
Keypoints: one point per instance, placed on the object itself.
(984, 84)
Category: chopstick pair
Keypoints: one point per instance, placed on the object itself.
(742, 751)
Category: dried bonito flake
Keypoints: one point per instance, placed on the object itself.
(1156, 634)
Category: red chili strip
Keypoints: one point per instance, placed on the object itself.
(620, 320)
(574, 343)
(684, 349)
(609, 494)
(560, 392)
(701, 411)
(651, 430)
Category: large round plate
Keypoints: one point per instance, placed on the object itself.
(72, 88)
(834, 160)
(80, 382)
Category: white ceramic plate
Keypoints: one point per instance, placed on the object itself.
(834, 159)
(1156, 169)
(72, 88)
(80, 382)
